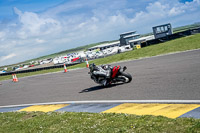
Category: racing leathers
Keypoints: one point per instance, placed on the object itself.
(102, 74)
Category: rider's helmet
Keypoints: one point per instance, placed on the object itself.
(92, 66)
(105, 67)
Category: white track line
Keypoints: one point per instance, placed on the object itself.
(111, 101)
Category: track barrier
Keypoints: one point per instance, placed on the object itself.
(37, 69)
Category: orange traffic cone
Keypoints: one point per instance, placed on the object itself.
(87, 64)
(16, 79)
(13, 77)
(65, 68)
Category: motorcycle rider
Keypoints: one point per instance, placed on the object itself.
(101, 73)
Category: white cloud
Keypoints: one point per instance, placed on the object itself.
(3, 58)
(39, 40)
(34, 25)
(17, 11)
(175, 11)
(166, 11)
(2, 35)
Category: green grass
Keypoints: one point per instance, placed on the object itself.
(15, 122)
(186, 27)
(181, 44)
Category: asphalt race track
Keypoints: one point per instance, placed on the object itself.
(168, 77)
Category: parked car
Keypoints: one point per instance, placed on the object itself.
(125, 48)
(46, 61)
(3, 71)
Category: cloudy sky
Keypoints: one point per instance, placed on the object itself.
(34, 28)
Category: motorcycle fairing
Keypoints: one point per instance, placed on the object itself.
(114, 71)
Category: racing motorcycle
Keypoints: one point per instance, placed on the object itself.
(107, 75)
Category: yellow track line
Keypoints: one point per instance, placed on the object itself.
(44, 108)
(168, 110)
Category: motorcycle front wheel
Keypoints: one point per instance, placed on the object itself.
(126, 77)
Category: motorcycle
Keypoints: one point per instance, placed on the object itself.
(116, 74)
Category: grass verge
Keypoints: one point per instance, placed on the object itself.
(93, 122)
(181, 44)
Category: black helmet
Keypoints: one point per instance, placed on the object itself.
(92, 66)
